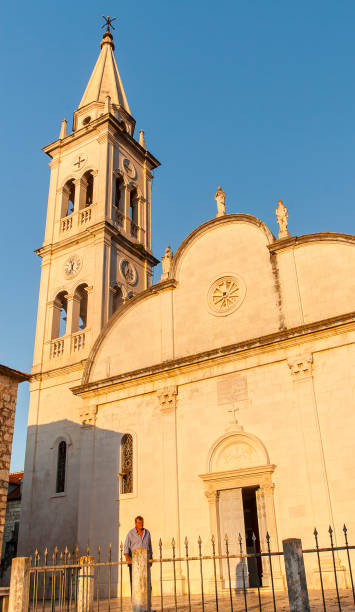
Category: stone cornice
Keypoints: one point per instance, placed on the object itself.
(101, 227)
(53, 372)
(231, 474)
(52, 148)
(294, 241)
(281, 339)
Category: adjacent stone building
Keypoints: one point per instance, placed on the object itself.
(12, 524)
(219, 400)
(9, 380)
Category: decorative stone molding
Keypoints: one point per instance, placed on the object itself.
(88, 416)
(212, 496)
(167, 398)
(301, 366)
(225, 294)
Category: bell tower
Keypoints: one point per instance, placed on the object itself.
(97, 250)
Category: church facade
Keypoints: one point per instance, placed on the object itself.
(219, 400)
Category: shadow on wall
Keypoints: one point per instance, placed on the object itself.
(71, 488)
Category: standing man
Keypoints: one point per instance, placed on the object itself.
(138, 537)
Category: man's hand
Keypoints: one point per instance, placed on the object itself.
(128, 558)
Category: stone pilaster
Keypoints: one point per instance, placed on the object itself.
(302, 371)
(167, 401)
(87, 474)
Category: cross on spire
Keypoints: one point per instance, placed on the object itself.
(108, 23)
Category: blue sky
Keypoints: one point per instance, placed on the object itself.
(254, 95)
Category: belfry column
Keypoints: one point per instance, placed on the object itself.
(167, 398)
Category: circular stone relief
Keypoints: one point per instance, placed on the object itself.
(128, 272)
(225, 295)
(129, 168)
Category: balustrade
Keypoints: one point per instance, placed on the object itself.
(83, 216)
(78, 341)
(134, 229)
(66, 223)
(57, 347)
(118, 217)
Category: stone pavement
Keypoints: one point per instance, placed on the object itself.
(346, 598)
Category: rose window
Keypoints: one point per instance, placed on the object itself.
(225, 295)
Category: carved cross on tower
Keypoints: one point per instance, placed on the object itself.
(108, 23)
(79, 161)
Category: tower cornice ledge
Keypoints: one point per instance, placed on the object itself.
(59, 144)
(136, 249)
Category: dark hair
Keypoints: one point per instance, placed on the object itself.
(138, 518)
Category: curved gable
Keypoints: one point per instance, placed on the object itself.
(177, 318)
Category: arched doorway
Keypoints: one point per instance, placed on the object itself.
(240, 493)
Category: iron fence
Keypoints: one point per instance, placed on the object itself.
(195, 577)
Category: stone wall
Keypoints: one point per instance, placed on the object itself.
(9, 380)
(13, 515)
(8, 396)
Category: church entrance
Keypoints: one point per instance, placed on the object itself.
(238, 515)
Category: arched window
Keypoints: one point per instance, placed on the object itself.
(127, 463)
(118, 193)
(59, 323)
(80, 308)
(68, 198)
(117, 299)
(89, 188)
(61, 467)
(133, 202)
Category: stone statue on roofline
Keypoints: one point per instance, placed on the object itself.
(166, 262)
(282, 216)
(220, 198)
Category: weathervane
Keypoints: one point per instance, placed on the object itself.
(108, 23)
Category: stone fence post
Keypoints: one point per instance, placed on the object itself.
(141, 588)
(296, 575)
(85, 601)
(19, 584)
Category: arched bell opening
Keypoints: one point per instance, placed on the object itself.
(60, 309)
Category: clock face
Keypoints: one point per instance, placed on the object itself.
(72, 265)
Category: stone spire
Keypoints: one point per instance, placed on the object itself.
(105, 79)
